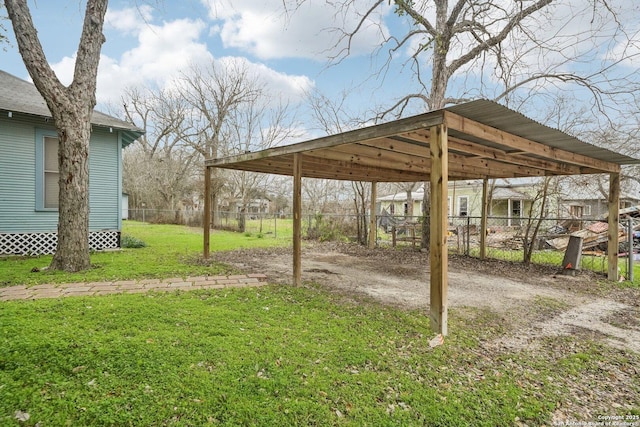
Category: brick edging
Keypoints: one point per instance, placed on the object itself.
(23, 292)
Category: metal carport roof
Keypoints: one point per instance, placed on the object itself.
(476, 140)
(485, 140)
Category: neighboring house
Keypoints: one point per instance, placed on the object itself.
(252, 206)
(586, 197)
(511, 198)
(29, 173)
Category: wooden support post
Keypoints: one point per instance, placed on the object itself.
(438, 229)
(483, 220)
(297, 219)
(612, 234)
(206, 222)
(373, 224)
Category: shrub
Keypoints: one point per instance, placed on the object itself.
(131, 242)
(325, 229)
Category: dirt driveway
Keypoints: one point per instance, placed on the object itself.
(400, 277)
(527, 305)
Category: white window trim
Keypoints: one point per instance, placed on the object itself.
(460, 198)
(40, 169)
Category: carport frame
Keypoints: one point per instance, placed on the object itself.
(476, 140)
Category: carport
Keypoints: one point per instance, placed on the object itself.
(476, 140)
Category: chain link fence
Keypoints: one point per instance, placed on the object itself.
(506, 238)
(547, 239)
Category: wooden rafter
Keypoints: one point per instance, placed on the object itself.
(524, 145)
(470, 141)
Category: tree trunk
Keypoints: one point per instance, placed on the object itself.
(530, 237)
(72, 253)
(242, 219)
(71, 108)
(410, 204)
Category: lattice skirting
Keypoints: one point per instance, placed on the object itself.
(45, 243)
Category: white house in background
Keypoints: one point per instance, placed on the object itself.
(29, 173)
(586, 197)
(582, 196)
(511, 198)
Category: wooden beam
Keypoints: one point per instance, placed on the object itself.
(472, 157)
(348, 170)
(373, 224)
(518, 143)
(368, 133)
(438, 229)
(479, 150)
(613, 232)
(206, 222)
(375, 157)
(493, 167)
(297, 219)
(483, 219)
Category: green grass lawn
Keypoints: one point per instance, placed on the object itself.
(172, 250)
(268, 356)
(271, 356)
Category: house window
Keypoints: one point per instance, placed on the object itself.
(51, 172)
(47, 172)
(516, 208)
(463, 206)
(576, 211)
(392, 209)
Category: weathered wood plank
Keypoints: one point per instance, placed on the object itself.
(372, 215)
(207, 212)
(378, 131)
(488, 133)
(612, 232)
(297, 219)
(438, 230)
(483, 220)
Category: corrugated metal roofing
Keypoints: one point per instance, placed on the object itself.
(505, 119)
(20, 96)
(485, 140)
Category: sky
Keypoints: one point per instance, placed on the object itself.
(151, 43)
(148, 43)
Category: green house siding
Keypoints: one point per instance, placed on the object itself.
(20, 167)
(18, 179)
(105, 191)
(473, 196)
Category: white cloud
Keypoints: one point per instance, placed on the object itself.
(160, 53)
(128, 19)
(294, 88)
(263, 29)
(277, 86)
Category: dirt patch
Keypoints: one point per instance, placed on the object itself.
(400, 277)
(536, 309)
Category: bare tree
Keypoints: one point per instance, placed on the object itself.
(534, 220)
(331, 116)
(71, 107)
(256, 124)
(160, 168)
(3, 29)
(494, 41)
(213, 93)
(362, 191)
